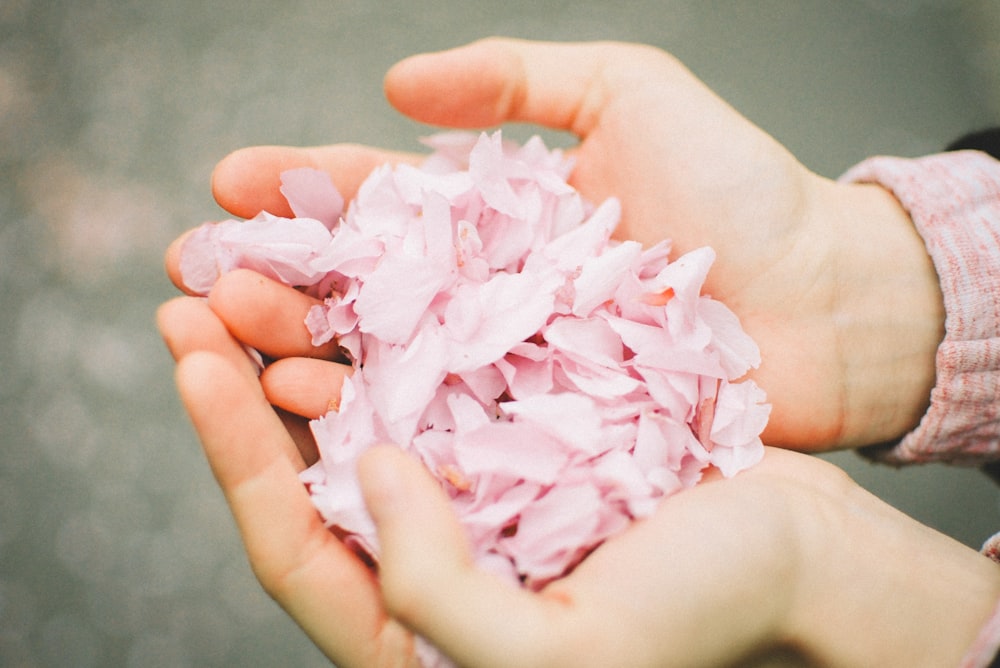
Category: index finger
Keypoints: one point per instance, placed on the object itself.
(247, 181)
(318, 580)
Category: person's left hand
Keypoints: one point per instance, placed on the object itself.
(788, 554)
(801, 260)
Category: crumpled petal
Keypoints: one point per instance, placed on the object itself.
(286, 250)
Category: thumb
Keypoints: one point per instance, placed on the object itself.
(561, 86)
(428, 578)
(416, 527)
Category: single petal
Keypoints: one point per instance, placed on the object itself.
(402, 380)
(600, 277)
(740, 417)
(525, 376)
(554, 532)
(653, 347)
(484, 323)
(285, 250)
(490, 172)
(311, 194)
(591, 339)
(595, 380)
(570, 418)
(393, 298)
(512, 450)
(737, 351)
(570, 250)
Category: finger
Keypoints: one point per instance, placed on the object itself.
(429, 581)
(267, 315)
(247, 181)
(172, 263)
(304, 386)
(562, 86)
(188, 325)
(322, 585)
(299, 429)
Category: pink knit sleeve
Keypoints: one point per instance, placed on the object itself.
(983, 652)
(954, 201)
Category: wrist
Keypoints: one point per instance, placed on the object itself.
(888, 315)
(889, 591)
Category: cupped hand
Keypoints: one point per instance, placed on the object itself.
(789, 555)
(830, 279)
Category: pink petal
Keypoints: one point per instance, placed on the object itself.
(595, 380)
(311, 194)
(570, 418)
(281, 249)
(512, 450)
(555, 531)
(485, 323)
(737, 351)
(490, 172)
(740, 417)
(592, 339)
(402, 380)
(570, 250)
(394, 298)
(655, 348)
(525, 376)
(600, 277)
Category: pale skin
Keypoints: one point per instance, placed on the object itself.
(790, 554)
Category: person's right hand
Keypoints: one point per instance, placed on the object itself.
(830, 279)
(789, 554)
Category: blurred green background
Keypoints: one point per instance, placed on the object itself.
(115, 546)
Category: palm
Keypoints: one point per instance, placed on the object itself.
(687, 167)
(772, 268)
(426, 574)
(427, 582)
(658, 170)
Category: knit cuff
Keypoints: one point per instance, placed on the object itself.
(954, 202)
(983, 652)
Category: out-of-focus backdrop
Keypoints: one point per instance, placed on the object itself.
(115, 546)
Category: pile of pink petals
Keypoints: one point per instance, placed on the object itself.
(557, 383)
